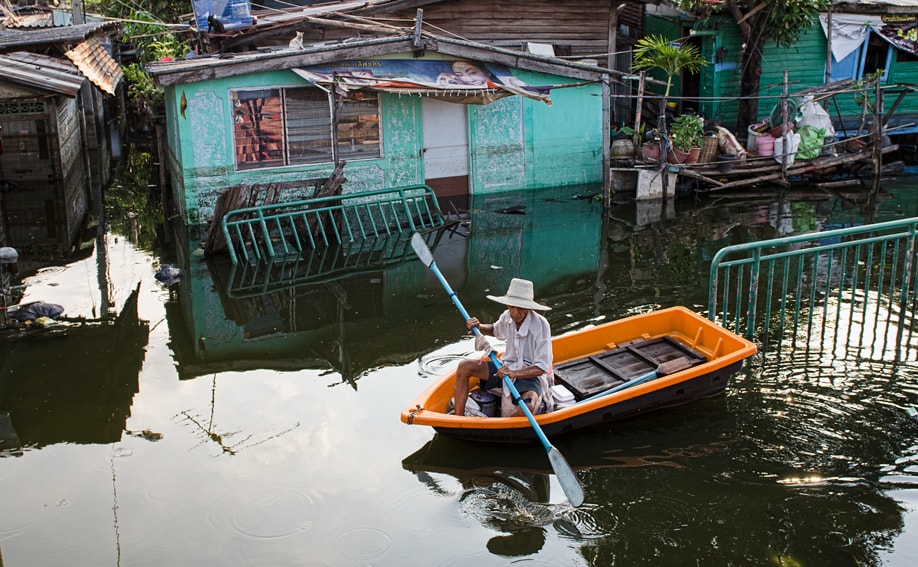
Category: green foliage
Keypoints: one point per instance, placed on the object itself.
(147, 98)
(152, 40)
(657, 52)
(781, 20)
(128, 205)
(687, 132)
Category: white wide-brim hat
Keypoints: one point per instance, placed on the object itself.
(519, 294)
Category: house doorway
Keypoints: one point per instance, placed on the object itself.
(446, 150)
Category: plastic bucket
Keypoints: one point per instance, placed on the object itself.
(753, 135)
(765, 146)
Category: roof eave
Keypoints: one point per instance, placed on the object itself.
(224, 66)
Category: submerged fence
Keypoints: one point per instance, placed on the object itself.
(259, 234)
(850, 289)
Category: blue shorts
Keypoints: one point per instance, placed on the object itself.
(522, 384)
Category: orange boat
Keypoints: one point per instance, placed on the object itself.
(605, 373)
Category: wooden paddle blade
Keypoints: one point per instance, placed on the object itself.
(420, 248)
(566, 477)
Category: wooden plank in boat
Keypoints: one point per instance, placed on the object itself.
(597, 373)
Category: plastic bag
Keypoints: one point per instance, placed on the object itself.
(787, 156)
(728, 143)
(32, 311)
(811, 139)
(814, 115)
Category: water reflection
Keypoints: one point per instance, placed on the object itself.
(312, 313)
(74, 382)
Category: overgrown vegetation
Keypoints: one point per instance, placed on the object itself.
(150, 32)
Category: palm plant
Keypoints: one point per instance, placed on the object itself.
(656, 52)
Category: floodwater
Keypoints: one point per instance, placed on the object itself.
(236, 418)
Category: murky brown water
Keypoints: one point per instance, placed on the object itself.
(232, 423)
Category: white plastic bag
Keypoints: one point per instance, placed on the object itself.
(793, 141)
(816, 116)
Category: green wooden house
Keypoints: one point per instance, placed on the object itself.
(864, 37)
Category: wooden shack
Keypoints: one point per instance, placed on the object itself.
(59, 132)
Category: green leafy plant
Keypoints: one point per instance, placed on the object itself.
(687, 132)
(657, 52)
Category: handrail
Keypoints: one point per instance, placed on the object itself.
(865, 271)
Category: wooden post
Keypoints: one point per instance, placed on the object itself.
(606, 145)
(784, 130)
(639, 106)
(877, 135)
(829, 45)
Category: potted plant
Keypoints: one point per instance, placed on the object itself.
(686, 133)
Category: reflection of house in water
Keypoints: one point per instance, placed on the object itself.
(59, 130)
(74, 382)
(358, 308)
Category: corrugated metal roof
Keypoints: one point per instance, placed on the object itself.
(97, 65)
(17, 40)
(39, 19)
(41, 72)
(876, 6)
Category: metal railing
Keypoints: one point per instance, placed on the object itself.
(258, 234)
(849, 288)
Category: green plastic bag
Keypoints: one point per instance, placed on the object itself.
(811, 139)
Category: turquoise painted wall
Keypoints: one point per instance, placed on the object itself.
(202, 143)
(519, 143)
(515, 142)
(720, 81)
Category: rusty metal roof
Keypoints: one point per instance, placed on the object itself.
(97, 65)
(41, 72)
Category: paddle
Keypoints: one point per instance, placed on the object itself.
(566, 477)
(668, 367)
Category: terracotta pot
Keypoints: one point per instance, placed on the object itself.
(693, 155)
(650, 152)
(677, 156)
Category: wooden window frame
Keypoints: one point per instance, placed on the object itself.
(292, 126)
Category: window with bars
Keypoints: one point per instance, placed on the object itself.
(290, 126)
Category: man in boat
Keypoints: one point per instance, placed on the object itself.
(528, 357)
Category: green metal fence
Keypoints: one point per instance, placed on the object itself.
(259, 234)
(841, 289)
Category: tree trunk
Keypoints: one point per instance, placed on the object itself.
(751, 73)
(749, 82)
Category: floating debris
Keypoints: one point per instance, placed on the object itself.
(168, 274)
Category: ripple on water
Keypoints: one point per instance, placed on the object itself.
(440, 364)
(264, 513)
(364, 543)
(28, 508)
